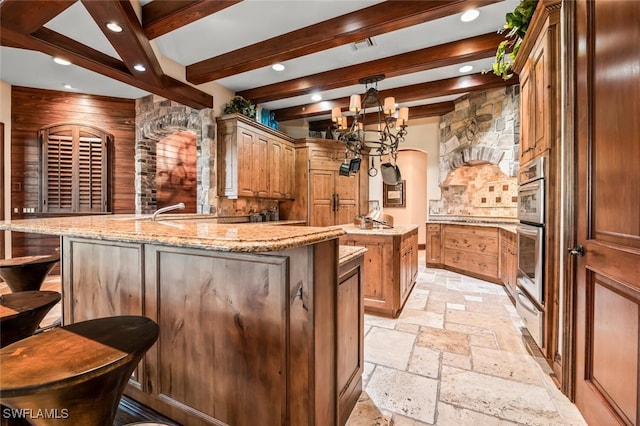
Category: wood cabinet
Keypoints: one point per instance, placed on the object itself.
(321, 196)
(270, 331)
(434, 245)
(253, 160)
(390, 266)
(508, 260)
(471, 250)
(350, 344)
(538, 66)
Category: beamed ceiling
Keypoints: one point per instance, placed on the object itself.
(418, 45)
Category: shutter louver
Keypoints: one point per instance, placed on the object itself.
(74, 165)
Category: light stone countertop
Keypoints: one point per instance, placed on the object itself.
(347, 253)
(236, 237)
(396, 230)
(509, 227)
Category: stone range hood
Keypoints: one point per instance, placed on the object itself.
(469, 155)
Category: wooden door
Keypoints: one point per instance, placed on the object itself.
(276, 166)
(287, 172)
(527, 98)
(541, 113)
(608, 211)
(321, 197)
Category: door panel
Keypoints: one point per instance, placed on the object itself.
(608, 211)
(321, 197)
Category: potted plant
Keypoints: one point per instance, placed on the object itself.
(516, 23)
(242, 106)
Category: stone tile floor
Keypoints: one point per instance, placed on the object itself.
(455, 356)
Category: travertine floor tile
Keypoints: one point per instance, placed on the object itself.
(378, 343)
(422, 318)
(509, 365)
(501, 398)
(444, 340)
(450, 415)
(407, 394)
(366, 413)
(425, 362)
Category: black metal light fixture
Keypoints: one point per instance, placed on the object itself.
(361, 138)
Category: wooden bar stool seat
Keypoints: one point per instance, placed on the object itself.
(78, 372)
(26, 273)
(20, 313)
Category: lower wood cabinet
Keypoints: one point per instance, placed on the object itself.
(390, 266)
(486, 252)
(244, 337)
(508, 261)
(434, 245)
(471, 250)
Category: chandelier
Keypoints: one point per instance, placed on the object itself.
(379, 137)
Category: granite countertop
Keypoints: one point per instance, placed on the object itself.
(200, 233)
(507, 226)
(396, 230)
(347, 253)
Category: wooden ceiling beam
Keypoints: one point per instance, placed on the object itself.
(161, 17)
(368, 22)
(132, 43)
(27, 17)
(51, 43)
(415, 92)
(442, 55)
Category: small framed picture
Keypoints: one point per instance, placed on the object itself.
(393, 195)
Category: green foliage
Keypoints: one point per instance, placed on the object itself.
(516, 23)
(240, 105)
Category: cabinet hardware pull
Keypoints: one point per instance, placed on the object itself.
(577, 250)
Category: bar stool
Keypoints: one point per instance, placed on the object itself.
(77, 372)
(20, 313)
(26, 273)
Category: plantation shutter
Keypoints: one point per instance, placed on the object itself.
(74, 178)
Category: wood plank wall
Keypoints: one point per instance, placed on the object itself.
(33, 109)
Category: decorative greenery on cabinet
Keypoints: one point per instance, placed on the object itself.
(517, 23)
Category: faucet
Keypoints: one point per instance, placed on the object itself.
(179, 206)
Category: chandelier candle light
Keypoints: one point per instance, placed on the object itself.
(361, 139)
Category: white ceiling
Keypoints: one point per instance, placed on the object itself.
(243, 24)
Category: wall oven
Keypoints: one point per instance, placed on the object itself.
(531, 233)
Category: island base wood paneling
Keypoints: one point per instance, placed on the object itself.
(390, 269)
(243, 336)
(350, 344)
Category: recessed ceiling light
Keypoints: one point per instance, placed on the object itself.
(114, 27)
(139, 67)
(67, 86)
(61, 61)
(470, 15)
(316, 97)
(466, 68)
(278, 67)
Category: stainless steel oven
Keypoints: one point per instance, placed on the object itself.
(531, 235)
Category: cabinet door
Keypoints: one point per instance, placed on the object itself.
(260, 166)
(245, 163)
(276, 164)
(433, 244)
(321, 197)
(287, 171)
(347, 191)
(527, 106)
(540, 114)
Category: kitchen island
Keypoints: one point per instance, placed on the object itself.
(390, 265)
(248, 314)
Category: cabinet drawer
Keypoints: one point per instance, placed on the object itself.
(433, 227)
(473, 262)
(471, 243)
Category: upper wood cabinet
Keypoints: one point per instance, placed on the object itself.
(253, 160)
(538, 65)
(321, 196)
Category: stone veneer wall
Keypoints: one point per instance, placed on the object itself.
(157, 117)
(483, 130)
